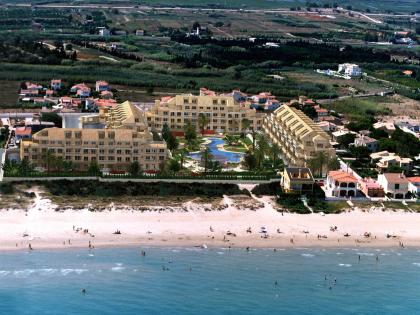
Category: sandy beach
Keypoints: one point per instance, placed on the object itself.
(43, 227)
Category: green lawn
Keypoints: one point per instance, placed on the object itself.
(357, 107)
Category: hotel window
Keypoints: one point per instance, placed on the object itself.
(165, 113)
(119, 159)
(119, 151)
(85, 142)
(178, 114)
(85, 151)
(187, 107)
(78, 134)
(127, 151)
(101, 135)
(111, 151)
(127, 159)
(319, 145)
(68, 134)
(110, 158)
(101, 151)
(214, 102)
(397, 186)
(194, 101)
(223, 102)
(208, 108)
(77, 158)
(194, 107)
(185, 100)
(68, 143)
(85, 158)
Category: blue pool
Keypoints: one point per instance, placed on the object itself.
(218, 155)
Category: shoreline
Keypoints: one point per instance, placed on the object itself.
(274, 244)
(229, 222)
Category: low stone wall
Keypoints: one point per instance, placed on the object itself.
(143, 180)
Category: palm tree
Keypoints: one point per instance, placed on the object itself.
(182, 153)
(206, 158)
(49, 159)
(275, 152)
(245, 124)
(203, 121)
(262, 149)
(317, 163)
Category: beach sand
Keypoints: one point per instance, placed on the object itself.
(43, 227)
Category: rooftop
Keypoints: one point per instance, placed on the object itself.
(342, 176)
(398, 178)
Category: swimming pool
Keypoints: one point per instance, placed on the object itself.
(221, 156)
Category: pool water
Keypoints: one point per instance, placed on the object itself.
(218, 155)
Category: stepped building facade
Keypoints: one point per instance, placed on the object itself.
(297, 136)
(224, 113)
(114, 139)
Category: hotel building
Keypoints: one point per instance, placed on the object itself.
(114, 139)
(299, 138)
(225, 115)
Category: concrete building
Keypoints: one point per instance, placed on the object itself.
(368, 142)
(299, 138)
(297, 179)
(385, 159)
(55, 84)
(114, 139)
(395, 185)
(371, 188)
(350, 69)
(104, 32)
(414, 185)
(224, 114)
(341, 184)
(101, 86)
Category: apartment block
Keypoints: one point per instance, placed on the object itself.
(299, 138)
(225, 115)
(113, 139)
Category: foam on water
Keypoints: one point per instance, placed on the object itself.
(345, 265)
(119, 281)
(308, 255)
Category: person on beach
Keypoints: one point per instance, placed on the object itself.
(83, 291)
(90, 245)
(247, 248)
(30, 246)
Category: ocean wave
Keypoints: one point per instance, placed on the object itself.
(66, 272)
(221, 253)
(416, 264)
(23, 273)
(117, 269)
(91, 255)
(366, 254)
(339, 253)
(345, 265)
(4, 272)
(47, 271)
(308, 255)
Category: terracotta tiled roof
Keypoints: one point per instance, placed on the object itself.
(342, 176)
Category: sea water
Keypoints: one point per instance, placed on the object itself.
(211, 281)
